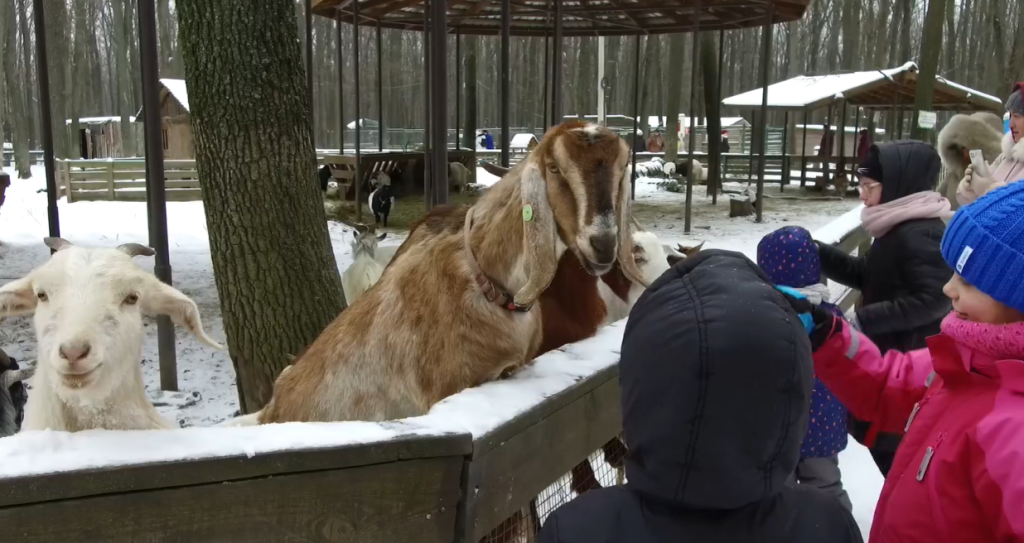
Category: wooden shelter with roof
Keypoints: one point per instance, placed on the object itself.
(892, 90)
(175, 120)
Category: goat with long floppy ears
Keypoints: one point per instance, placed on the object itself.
(385, 358)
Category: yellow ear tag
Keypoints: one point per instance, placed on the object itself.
(527, 213)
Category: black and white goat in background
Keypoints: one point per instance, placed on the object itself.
(13, 395)
(381, 199)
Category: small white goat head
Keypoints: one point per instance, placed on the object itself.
(365, 238)
(88, 305)
(576, 185)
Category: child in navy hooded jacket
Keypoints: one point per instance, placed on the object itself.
(789, 257)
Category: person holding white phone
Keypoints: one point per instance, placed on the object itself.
(1008, 167)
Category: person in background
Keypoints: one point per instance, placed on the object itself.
(790, 258)
(1008, 167)
(901, 277)
(656, 143)
(725, 147)
(488, 140)
(638, 142)
(959, 473)
(863, 145)
(716, 381)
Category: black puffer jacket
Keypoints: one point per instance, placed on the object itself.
(716, 381)
(901, 277)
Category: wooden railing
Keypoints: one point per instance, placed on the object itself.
(846, 233)
(124, 180)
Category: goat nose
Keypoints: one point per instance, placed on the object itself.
(604, 247)
(73, 352)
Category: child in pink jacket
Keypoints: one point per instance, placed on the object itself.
(958, 475)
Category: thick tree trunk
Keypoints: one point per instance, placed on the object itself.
(29, 101)
(949, 58)
(16, 89)
(676, 56)
(272, 258)
(930, 48)
(712, 104)
(472, 48)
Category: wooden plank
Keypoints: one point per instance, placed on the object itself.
(110, 181)
(130, 185)
(413, 500)
(57, 486)
(177, 195)
(509, 475)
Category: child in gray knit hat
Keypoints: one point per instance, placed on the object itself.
(1008, 166)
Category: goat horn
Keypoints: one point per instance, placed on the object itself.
(136, 249)
(57, 244)
(636, 223)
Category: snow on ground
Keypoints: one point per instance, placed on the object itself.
(207, 379)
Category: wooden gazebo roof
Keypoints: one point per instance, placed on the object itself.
(878, 89)
(579, 17)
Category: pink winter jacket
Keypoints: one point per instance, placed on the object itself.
(1007, 168)
(958, 475)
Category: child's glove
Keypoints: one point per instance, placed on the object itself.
(820, 323)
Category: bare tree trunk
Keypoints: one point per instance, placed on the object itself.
(20, 118)
(930, 48)
(268, 233)
(999, 80)
(1015, 66)
(949, 59)
(712, 104)
(80, 73)
(905, 29)
(124, 85)
(676, 57)
(32, 129)
(170, 63)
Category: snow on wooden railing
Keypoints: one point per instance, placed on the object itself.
(846, 233)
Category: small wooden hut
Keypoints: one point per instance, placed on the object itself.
(176, 120)
(103, 137)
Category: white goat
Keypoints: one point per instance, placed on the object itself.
(88, 306)
(653, 258)
(365, 270)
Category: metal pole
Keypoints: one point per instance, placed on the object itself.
(718, 99)
(428, 192)
(636, 115)
(155, 194)
(47, 118)
(341, 89)
(856, 135)
(380, 93)
(359, 111)
(556, 68)
(691, 141)
(766, 53)
(439, 97)
(506, 67)
(841, 164)
(547, 75)
(803, 155)
(309, 55)
(785, 159)
(458, 86)
(600, 82)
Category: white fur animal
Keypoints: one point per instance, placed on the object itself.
(458, 176)
(653, 258)
(364, 270)
(88, 306)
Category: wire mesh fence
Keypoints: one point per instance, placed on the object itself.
(603, 468)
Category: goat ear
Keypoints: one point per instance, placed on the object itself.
(135, 249)
(57, 244)
(690, 251)
(538, 235)
(626, 260)
(382, 236)
(163, 299)
(17, 298)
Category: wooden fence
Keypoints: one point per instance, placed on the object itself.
(124, 180)
(449, 487)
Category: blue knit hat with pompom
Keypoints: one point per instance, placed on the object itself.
(984, 243)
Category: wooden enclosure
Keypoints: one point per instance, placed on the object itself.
(428, 485)
(124, 180)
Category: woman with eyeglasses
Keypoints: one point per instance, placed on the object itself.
(901, 277)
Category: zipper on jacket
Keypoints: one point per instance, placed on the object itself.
(917, 407)
(928, 454)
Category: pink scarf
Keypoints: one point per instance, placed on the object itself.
(879, 219)
(1001, 341)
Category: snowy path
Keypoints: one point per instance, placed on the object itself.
(206, 377)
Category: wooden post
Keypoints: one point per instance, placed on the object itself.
(556, 68)
(856, 135)
(439, 98)
(46, 113)
(458, 86)
(636, 118)
(380, 93)
(506, 68)
(110, 181)
(341, 90)
(719, 168)
(841, 166)
(766, 52)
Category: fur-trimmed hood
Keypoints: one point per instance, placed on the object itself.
(1011, 150)
(978, 131)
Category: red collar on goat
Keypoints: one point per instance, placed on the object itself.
(491, 291)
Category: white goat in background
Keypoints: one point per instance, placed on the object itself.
(365, 270)
(88, 306)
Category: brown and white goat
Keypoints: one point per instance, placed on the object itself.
(442, 317)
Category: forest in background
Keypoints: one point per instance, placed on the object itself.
(95, 70)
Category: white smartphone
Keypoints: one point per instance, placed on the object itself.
(978, 162)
